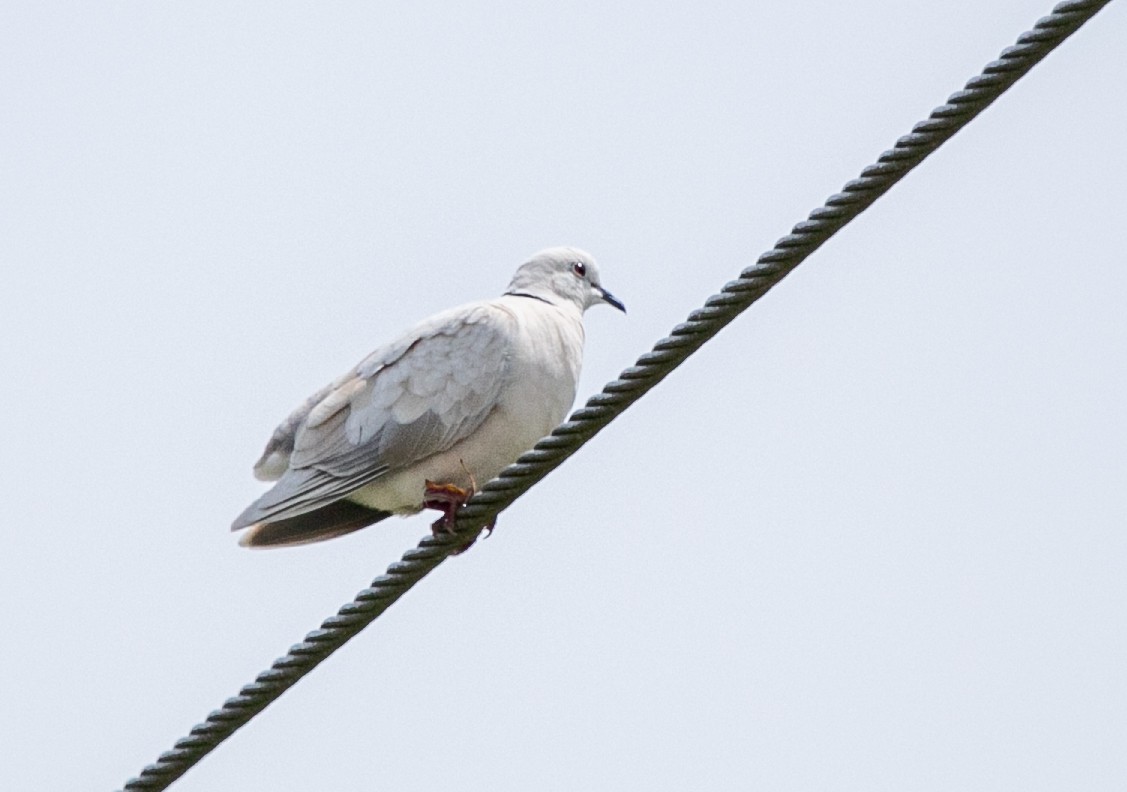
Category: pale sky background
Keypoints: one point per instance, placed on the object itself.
(870, 538)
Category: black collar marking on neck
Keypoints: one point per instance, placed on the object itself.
(531, 296)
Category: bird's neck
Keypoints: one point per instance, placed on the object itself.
(531, 296)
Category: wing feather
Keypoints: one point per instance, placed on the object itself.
(415, 397)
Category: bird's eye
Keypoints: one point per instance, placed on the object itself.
(579, 268)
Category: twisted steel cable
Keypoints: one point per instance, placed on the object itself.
(668, 353)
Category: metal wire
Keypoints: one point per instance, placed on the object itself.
(632, 384)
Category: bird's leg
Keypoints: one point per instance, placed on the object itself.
(446, 498)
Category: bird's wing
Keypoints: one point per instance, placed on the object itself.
(416, 397)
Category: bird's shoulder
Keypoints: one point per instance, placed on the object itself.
(467, 328)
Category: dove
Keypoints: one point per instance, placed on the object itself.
(421, 420)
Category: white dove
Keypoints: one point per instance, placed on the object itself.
(421, 420)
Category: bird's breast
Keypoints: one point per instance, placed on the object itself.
(543, 370)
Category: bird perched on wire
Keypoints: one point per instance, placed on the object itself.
(421, 420)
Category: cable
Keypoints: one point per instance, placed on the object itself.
(652, 367)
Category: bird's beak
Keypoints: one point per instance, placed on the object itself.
(610, 299)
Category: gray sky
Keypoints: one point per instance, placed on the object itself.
(871, 537)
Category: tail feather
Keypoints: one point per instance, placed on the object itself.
(335, 519)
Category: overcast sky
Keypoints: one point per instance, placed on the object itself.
(872, 537)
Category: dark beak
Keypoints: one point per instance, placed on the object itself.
(610, 299)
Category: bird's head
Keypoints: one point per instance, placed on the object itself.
(563, 273)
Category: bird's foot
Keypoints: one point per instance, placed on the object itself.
(448, 498)
(488, 532)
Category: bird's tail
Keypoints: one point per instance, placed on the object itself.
(335, 519)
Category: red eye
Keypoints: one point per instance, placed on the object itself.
(579, 268)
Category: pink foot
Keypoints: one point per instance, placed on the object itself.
(448, 498)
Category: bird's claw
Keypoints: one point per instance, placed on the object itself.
(448, 498)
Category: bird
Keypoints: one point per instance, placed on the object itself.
(421, 420)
